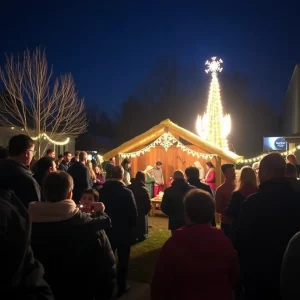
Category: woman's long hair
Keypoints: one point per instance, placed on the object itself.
(91, 170)
(247, 177)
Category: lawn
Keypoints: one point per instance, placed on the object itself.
(144, 254)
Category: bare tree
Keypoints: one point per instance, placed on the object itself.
(36, 103)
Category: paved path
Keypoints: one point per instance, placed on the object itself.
(138, 291)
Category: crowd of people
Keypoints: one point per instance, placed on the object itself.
(62, 222)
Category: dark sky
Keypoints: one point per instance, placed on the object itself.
(110, 46)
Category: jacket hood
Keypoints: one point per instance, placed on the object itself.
(275, 185)
(44, 212)
(10, 168)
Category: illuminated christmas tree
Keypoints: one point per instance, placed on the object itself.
(213, 126)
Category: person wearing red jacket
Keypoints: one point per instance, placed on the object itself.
(198, 261)
(210, 178)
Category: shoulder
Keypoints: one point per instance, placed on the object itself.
(295, 241)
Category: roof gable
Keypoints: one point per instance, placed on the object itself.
(156, 131)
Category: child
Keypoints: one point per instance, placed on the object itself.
(89, 203)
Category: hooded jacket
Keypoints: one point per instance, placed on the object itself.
(121, 208)
(73, 248)
(18, 178)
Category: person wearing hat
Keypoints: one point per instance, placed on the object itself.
(149, 180)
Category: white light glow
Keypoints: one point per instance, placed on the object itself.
(213, 126)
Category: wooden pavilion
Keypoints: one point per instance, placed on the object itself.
(175, 147)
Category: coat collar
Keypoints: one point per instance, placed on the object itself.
(44, 212)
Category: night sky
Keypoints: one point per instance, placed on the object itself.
(110, 46)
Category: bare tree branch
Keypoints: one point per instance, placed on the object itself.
(35, 103)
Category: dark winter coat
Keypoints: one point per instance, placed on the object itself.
(82, 179)
(172, 203)
(18, 178)
(108, 170)
(121, 208)
(75, 251)
(143, 203)
(267, 222)
(64, 166)
(21, 276)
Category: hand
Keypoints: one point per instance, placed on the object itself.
(98, 206)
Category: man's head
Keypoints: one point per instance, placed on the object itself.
(178, 174)
(272, 166)
(126, 163)
(60, 157)
(21, 148)
(158, 164)
(83, 157)
(58, 186)
(45, 165)
(199, 207)
(117, 172)
(140, 176)
(89, 197)
(291, 171)
(228, 171)
(192, 173)
(112, 160)
(67, 156)
(50, 153)
(291, 158)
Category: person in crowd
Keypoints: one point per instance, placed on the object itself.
(255, 167)
(172, 201)
(60, 158)
(143, 203)
(121, 208)
(210, 177)
(198, 165)
(14, 173)
(193, 178)
(89, 203)
(291, 173)
(198, 261)
(50, 153)
(71, 245)
(223, 196)
(267, 222)
(100, 178)
(89, 165)
(246, 186)
(158, 179)
(81, 176)
(149, 180)
(21, 276)
(3, 153)
(109, 166)
(290, 270)
(66, 162)
(126, 164)
(44, 166)
(75, 158)
(291, 158)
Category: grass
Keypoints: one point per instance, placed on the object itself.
(144, 255)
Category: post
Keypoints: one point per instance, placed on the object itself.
(218, 180)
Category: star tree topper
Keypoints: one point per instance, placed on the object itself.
(214, 66)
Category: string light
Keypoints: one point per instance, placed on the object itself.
(46, 137)
(213, 126)
(166, 140)
(258, 158)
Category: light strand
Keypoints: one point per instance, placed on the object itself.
(258, 158)
(166, 140)
(46, 137)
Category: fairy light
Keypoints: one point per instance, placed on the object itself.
(213, 126)
(46, 137)
(166, 140)
(258, 158)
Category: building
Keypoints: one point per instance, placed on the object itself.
(59, 146)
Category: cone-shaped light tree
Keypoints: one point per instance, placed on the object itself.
(213, 126)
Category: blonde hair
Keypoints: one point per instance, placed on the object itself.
(247, 177)
(91, 170)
